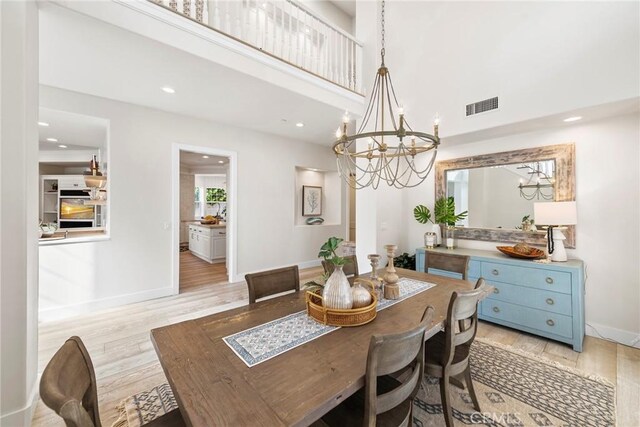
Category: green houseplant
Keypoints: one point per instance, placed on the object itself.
(336, 289)
(444, 212)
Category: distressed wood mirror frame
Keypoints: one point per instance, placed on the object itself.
(565, 188)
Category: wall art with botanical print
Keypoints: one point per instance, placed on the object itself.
(311, 200)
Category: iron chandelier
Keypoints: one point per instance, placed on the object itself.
(380, 161)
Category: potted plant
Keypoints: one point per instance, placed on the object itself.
(336, 291)
(444, 213)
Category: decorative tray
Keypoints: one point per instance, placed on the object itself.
(534, 253)
(208, 222)
(337, 317)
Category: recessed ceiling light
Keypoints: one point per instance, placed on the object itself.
(168, 89)
(52, 139)
(205, 157)
(300, 124)
(62, 146)
(43, 124)
(573, 119)
(220, 161)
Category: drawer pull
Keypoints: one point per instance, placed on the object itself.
(551, 322)
(550, 301)
(549, 280)
(496, 310)
(495, 272)
(496, 290)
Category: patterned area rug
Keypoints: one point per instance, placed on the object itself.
(514, 389)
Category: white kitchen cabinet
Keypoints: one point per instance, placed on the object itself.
(208, 243)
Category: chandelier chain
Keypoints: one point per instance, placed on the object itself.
(382, 52)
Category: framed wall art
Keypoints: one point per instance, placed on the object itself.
(311, 200)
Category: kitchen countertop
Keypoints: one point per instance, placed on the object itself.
(209, 225)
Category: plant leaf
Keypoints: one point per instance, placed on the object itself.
(422, 214)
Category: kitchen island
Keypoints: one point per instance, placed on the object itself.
(208, 241)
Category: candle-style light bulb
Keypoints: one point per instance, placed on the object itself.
(436, 119)
(338, 133)
(401, 111)
(345, 117)
(370, 144)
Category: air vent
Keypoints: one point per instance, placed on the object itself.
(482, 106)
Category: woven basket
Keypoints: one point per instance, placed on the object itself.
(337, 317)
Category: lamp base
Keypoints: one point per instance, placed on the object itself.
(559, 252)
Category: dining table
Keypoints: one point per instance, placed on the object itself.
(214, 387)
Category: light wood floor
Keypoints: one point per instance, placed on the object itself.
(196, 272)
(126, 363)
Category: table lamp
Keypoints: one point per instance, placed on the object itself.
(555, 215)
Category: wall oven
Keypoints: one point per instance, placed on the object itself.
(73, 212)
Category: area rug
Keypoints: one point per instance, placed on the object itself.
(514, 389)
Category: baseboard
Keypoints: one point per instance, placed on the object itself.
(632, 339)
(22, 417)
(57, 313)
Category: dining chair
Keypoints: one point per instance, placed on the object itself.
(349, 269)
(272, 282)
(68, 386)
(447, 353)
(448, 262)
(385, 400)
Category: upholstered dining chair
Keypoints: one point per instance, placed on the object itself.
(68, 386)
(447, 353)
(448, 262)
(386, 401)
(272, 282)
(349, 269)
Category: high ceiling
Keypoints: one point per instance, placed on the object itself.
(188, 158)
(83, 54)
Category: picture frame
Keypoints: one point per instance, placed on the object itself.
(311, 200)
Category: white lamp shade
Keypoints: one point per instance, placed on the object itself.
(555, 213)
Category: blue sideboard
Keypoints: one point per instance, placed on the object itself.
(542, 299)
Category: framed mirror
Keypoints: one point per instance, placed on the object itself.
(499, 190)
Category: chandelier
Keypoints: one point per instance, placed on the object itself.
(535, 189)
(390, 152)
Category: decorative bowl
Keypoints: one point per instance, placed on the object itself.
(534, 253)
(338, 317)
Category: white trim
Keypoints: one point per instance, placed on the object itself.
(232, 211)
(86, 307)
(629, 338)
(23, 416)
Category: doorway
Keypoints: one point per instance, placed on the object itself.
(204, 217)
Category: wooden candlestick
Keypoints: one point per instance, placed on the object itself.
(391, 288)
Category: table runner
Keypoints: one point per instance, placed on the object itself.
(263, 342)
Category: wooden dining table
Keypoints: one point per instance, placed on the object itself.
(214, 387)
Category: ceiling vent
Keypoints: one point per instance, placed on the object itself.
(482, 106)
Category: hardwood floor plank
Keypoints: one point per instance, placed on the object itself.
(600, 358)
(628, 386)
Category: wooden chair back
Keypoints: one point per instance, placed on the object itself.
(272, 282)
(68, 385)
(389, 354)
(349, 269)
(448, 262)
(463, 310)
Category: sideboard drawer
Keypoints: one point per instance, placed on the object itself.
(556, 281)
(552, 323)
(530, 297)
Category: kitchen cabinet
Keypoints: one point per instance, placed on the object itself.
(208, 242)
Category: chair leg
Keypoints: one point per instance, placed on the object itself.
(472, 392)
(446, 402)
(456, 382)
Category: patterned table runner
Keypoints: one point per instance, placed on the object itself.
(263, 342)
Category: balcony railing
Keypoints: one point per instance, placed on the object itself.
(284, 29)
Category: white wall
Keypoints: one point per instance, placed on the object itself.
(135, 263)
(18, 211)
(540, 58)
(608, 198)
(331, 13)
